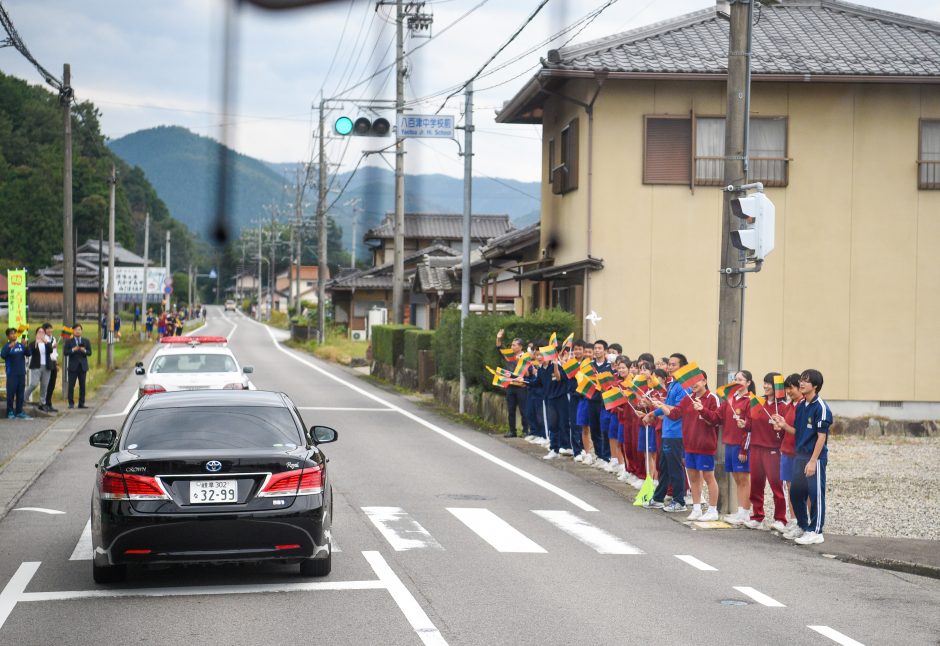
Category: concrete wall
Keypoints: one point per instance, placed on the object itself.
(852, 286)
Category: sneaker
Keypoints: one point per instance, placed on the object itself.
(588, 459)
(600, 464)
(612, 465)
(579, 457)
(653, 504)
(50, 409)
(624, 477)
(765, 525)
(638, 482)
(509, 434)
(696, 513)
(674, 507)
(752, 523)
(544, 441)
(779, 526)
(566, 452)
(710, 515)
(551, 455)
(530, 439)
(11, 415)
(792, 524)
(809, 538)
(738, 518)
(23, 416)
(793, 534)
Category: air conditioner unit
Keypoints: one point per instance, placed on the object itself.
(358, 335)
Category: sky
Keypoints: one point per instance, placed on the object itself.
(159, 62)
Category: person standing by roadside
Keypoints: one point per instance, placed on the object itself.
(736, 423)
(53, 365)
(148, 324)
(788, 448)
(77, 349)
(671, 467)
(14, 355)
(39, 368)
(765, 437)
(515, 395)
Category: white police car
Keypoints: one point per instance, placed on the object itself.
(193, 363)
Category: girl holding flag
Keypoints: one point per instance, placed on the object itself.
(736, 423)
(765, 437)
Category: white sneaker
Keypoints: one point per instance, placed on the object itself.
(793, 534)
(738, 518)
(613, 466)
(696, 513)
(655, 482)
(579, 457)
(544, 441)
(779, 526)
(566, 452)
(551, 455)
(710, 515)
(531, 439)
(588, 459)
(600, 464)
(791, 524)
(636, 483)
(750, 523)
(809, 538)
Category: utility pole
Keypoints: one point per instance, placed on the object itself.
(272, 272)
(467, 218)
(100, 292)
(68, 243)
(398, 270)
(189, 290)
(110, 335)
(258, 308)
(731, 292)
(322, 228)
(169, 275)
(354, 203)
(143, 302)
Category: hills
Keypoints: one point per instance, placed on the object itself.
(183, 167)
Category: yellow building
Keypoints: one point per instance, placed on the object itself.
(845, 133)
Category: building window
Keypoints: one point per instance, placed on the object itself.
(667, 147)
(928, 162)
(670, 150)
(565, 171)
(767, 158)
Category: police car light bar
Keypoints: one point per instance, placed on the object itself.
(193, 339)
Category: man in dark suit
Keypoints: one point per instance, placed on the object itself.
(77, 349)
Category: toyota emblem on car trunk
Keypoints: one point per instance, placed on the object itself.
(213, 465)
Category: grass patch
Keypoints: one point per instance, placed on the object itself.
(338, 348)
(279, 320)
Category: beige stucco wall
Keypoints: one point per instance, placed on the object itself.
(853, 285)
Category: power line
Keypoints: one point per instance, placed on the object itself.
(339, 46)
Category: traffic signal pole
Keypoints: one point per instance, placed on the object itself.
(731, 292)
(398, 269)
(467, 218)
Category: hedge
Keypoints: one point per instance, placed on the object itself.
(480, 340)
(388, 342)
(416, 340)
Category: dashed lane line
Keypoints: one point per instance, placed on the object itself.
(759, 597)
(694, 562)
(835, 636)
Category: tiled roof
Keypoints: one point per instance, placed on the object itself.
(816, 37)
(442, 226)
(437, 275)
(511, 241)
(380, 276)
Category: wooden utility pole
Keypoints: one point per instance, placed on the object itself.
(100, 292)
(68, 243)
(110, 332)
(467, 226)
(321, 229)
(143, 303)
(169, 275)
(398, 268)
(731, 292)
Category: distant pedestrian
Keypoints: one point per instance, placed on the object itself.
(53, 364)
(14, 355)
(515, 395)
(149, 324)
(39, 367)
(77, 349)
(136, 316)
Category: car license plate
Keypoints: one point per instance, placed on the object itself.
(203, 492)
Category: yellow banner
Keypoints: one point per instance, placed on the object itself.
(16, 295)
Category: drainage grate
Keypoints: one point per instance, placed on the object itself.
(733, 602)
(463, 496)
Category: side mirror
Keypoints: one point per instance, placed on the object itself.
(139, 370)
(139, 364)
(103, 439)
(323, 434)
(248, 370)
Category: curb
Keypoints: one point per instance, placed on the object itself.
(907, 567)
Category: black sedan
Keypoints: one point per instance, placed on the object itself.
(212, 476)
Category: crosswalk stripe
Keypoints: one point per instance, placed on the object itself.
(835, 636)
(759, 596)
(401, 530)
(83, 550)
(600, 540)
(495, 531)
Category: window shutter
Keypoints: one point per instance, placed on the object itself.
(571, 162)
(668, 149)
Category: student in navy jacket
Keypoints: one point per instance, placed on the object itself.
(14, 355)
(77, 349)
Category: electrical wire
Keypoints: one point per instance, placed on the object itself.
(339, 46)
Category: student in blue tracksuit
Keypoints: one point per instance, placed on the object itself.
(811, 428)
(534, 400)
(596, 406)
(671, 467)
(574, 402)
(14, 355)
(553, 394)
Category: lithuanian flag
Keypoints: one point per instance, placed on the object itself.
(569, 341)
(604, 378)
(67, 332)
(613, 398)
(726, 391)
(501, 381)
(522, 362)
(641, 381)
(549, 351)
(586, 388)
(508, 353)
(780, 391)
(571, 367)
(755, 401)
(656, 384)
(688, 375)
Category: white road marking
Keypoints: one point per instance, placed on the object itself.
(401, 531)
(759, 597)
(199, 590)
(42, 510)
(600, 540)
(13, 591)
(232, 333)
(127, 408)
(694, 562)
(414, 613)
(371, 410)
(574, 500)
(835, 636)
(83, 548)
(496, 531)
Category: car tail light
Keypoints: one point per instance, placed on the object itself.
(149, 389)
(137, 552)
(238, 386)
(301, 482)
(292, 546)
(114, 486)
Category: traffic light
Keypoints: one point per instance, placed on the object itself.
(362, 127)
(757, 236)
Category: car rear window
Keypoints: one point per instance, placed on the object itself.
(213, 427)
(193, 363)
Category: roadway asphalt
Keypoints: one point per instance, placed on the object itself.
(446, 535)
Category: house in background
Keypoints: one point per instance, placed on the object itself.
(286, 286)
(845, 135)
(425, 229)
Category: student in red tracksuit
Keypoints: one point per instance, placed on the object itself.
(788, 446)
(700, 420)
(765, 439)
(736, 422)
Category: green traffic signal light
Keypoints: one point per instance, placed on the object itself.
(343, 126)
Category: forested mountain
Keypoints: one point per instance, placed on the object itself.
(31, 169)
